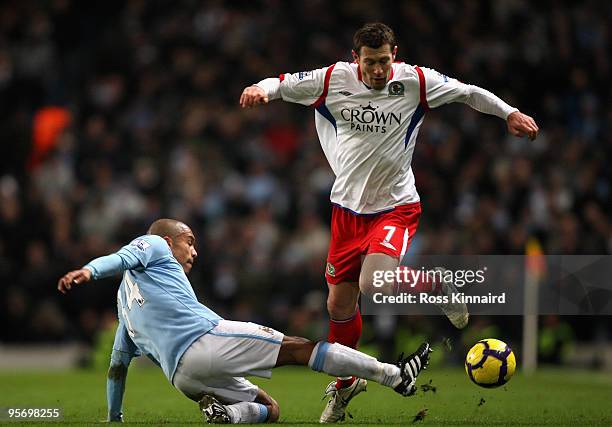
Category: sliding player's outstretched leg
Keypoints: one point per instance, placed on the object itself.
(341, 361)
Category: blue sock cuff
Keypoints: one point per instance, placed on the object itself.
(263, 413)
(319, 357)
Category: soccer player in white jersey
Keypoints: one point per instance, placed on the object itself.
(201, 354)
(367, 115)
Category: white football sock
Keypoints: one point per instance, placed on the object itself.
(247, 413)
(339, 360)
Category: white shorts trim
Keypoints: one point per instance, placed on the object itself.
(216, 362)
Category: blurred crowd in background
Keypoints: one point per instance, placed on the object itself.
(113, 114)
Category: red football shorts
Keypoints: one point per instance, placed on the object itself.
(354, 236)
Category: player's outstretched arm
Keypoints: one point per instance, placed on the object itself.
(301, 88)
(520, 124)
(75, 277)
(253, 95)
(124, 350)
(115, 384)
(441, 89)
(138, 253)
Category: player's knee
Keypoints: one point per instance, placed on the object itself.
(273, 412)
(339, 308)
(378, 274)
(366, 284)
(369, 288)
(371, 282)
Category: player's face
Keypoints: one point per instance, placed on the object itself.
(375, 64)
(184, 250)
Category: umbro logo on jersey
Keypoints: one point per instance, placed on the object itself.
(345, 93)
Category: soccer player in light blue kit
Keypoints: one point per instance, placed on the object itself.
(201, 354)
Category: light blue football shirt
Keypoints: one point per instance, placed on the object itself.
(157, 307)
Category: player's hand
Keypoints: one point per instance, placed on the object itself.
(75, 277)
(252, 96)
(520, 124)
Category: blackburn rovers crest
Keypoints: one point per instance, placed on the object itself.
(331, 270)
(396, 89)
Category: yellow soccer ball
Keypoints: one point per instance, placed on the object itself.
(490, 363)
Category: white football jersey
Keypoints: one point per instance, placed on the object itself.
(368, 135)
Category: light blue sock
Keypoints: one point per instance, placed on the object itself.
(247, 413)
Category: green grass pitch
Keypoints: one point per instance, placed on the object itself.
(551, 397)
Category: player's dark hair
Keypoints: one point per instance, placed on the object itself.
(374, 35)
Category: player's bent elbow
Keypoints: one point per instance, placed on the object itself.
(118, 368)
(271, 404)
(117, 371)
(273, 412)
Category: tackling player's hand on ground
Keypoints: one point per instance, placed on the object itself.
(253, 95)
(520, 124)
(75, 277)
